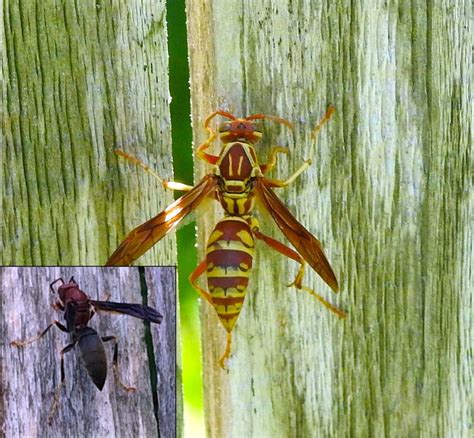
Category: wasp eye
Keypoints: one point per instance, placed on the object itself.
(224, 127)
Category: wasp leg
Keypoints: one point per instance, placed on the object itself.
(283, 183)
(58, 306)
(211, 159)
(227, 351)
(107, 296)
(19, 343)
(328, 114)
(115, 363)
(201, 268)
(272, 159)
(173, 185)
(288, 252)
(57, 392)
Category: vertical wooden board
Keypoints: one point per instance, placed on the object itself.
(30, 374)
(388, 195)
(200, 30)
(161, 285)
(80, 80)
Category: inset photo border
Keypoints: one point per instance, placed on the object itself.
(50, 313)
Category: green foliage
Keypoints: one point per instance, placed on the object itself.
(183, 172)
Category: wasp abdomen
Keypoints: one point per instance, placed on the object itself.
(229, 255)
(93, 355)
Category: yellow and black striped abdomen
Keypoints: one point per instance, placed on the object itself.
(229, 256)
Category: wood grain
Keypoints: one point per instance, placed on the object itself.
(81, 80)
(389, 195)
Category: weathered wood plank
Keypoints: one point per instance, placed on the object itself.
(388, 194)
(162, 282)
(81, 80)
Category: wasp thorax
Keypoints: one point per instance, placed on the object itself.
(239, 129)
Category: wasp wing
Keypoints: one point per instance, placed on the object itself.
(142, 238)
(305, 243)
(136, 310)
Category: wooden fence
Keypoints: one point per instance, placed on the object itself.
(389, 192)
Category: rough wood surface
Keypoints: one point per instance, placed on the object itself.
(31, 374)
(389, 196)
(163, 281)
(80, 80)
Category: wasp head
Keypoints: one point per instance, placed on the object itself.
(239, 129)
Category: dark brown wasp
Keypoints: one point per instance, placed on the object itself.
(78, 310)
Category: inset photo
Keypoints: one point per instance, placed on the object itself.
(88, 351)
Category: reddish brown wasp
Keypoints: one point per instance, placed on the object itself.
(237, 181)
(78, 310)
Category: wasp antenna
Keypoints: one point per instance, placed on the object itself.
(221, 113)
(54, 282)
(275, 119)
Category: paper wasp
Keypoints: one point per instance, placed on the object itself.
(237, 181)
(78, 310)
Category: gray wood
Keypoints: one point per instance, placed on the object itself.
(31, 374)
(162, 281)
(389, 195)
